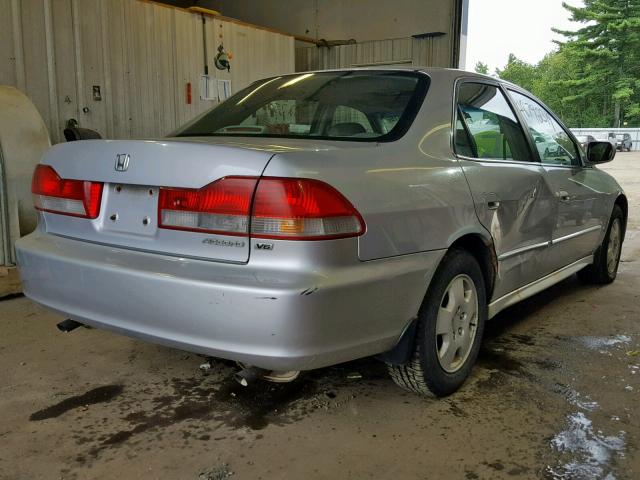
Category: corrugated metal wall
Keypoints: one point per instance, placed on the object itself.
(425, 52)
(139, 53)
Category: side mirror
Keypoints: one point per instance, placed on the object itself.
(539, 140)
(600, 152)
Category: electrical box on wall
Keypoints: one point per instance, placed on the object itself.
(206, 88)
(224, 89)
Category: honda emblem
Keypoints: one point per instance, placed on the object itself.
(122, 162)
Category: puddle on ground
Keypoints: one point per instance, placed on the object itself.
(194, 399)
(499, 359)
(261, 403)
(585, 452)
(598, 343)
(204, 403)
(97, 395)
(575, 398)
(588, 454)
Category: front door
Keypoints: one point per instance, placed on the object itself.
(577, 202)
(511, 196)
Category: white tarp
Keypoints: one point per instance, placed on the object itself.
(23, 140)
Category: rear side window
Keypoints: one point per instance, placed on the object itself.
(552, 141)
(486, 127)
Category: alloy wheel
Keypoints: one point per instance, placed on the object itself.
(457, 323)
(613, 248)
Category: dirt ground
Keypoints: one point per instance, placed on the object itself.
(555, 395)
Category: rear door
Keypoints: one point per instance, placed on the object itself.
(577, 202)
(511, 197)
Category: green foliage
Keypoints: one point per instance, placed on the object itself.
(593, 79)
(482, 68)
(519, 72)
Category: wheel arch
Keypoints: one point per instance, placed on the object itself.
(481, 247)
(623, 203)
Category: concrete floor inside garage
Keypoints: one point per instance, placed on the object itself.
(555, 395)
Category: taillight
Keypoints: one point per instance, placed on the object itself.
(302, 209)
(51, 193)
(285, 208)
(220, 207)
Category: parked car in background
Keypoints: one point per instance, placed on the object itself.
(546, 144)
(622, 141)
(584, 140)
(606, 138)
(316, 218)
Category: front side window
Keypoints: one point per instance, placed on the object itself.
(346, 105)
(486, 127)
(552, 141)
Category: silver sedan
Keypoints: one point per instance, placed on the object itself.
(316, 218)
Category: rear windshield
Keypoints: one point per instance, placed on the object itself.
(355, 106)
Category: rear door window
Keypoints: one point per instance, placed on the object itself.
(486, 127)
(551, 140)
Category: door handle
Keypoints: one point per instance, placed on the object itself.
(564, 196)
(493, 204)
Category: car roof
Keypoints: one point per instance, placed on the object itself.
(431, 71)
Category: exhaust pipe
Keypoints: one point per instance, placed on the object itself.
(248, 375)
(68, 325)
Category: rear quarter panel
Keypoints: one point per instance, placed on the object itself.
(411, 192)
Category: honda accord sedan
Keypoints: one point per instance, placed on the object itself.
(316, 218)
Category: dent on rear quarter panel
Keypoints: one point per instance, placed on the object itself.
(411, 192)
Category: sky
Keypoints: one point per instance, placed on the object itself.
(523, 27)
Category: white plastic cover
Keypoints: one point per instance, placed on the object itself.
(23, 140)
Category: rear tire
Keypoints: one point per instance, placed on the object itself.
(450, 327)
(607, 257)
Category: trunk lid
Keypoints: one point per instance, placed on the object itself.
(129, 209)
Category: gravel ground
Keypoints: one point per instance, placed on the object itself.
(555, 395)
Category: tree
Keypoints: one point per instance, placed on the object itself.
(607, 54)
(552, 81)
(482, 68)
(593, 78)
(519, 72)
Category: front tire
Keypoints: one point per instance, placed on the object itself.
(450, 328)
(607, 258)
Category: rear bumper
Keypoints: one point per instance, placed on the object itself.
(277, 315)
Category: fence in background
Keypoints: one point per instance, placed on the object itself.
(603, 133)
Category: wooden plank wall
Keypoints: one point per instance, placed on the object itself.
(141, 54)
(408, 51)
